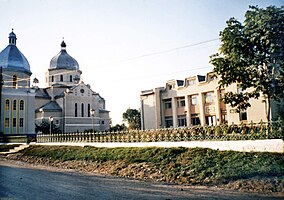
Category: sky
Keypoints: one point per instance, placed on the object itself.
(122, 46)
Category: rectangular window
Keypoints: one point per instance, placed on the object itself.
(169, 121)
(191, 82)
(61, 78)
(168, 103)
(15, 105)
(14, 122)
(21, 122)
(180, 102)
(224, 117)
(195, 119)
(194, 100)
(208, 97)
(71, 79)
(243, 116)
(7, 122)
(182, 120)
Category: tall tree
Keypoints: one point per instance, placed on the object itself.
(252, 55)
(133, 118)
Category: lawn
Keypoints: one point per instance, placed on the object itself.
(197, 166)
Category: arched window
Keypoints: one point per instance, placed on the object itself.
(71, 78)
(22, 104)
(76, 110)
(7, 104)
(89, 110)
(15, 105)
(15, 81)
(61, 77)
(82, 110)
(52, 78)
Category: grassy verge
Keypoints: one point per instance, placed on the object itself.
(198, 166)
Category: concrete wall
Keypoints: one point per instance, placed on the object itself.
(273, 145)
(149, 108)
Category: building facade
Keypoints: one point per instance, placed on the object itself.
(17, 97)
(197, 101)
(69, 102)
(66, 101)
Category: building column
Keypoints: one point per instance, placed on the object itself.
(217, 107)
(174, 111)
(142, 115)
(201, 103)
(158, 103)
(187, 110)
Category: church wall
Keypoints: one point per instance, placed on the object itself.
(23, 79)
(15, 118)
(62, 76)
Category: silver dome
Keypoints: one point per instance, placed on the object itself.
(63, 60)
(12, 59)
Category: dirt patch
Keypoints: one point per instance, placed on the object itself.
(142, 171)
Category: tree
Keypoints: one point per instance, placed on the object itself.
(252, 55)
(133, 117)
(117, 128)
(44, 127)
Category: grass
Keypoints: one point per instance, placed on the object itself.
(180, 165)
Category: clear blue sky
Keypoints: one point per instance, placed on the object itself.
(115, 41)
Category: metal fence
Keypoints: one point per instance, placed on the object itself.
(252, 131)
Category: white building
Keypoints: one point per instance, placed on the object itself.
(73, 105)
(17, 98)
(197, 101)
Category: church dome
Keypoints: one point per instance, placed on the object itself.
(12, 59)
(63, 60)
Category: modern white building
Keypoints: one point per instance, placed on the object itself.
(197, 101)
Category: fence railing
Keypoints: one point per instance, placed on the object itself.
(252, 131)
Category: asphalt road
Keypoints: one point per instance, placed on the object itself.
(18, 182)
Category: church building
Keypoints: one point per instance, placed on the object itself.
(66, 101)
(17, 98)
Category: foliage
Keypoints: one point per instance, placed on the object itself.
(252, 55)
(179, 165)
(44, 127)
(117, 128)
(133, 117)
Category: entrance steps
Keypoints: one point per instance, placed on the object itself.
(16, 149)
